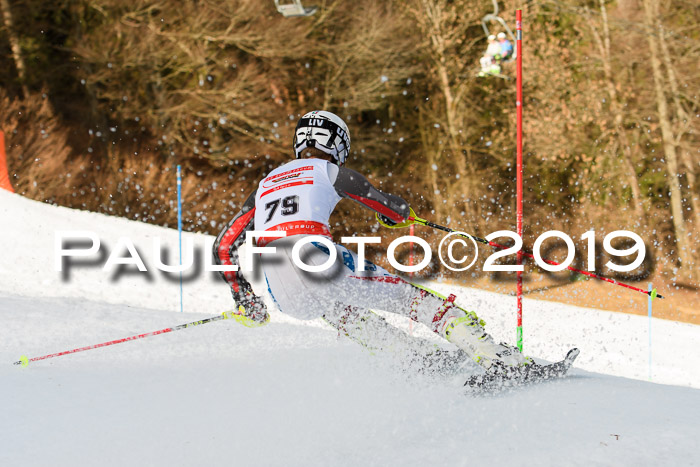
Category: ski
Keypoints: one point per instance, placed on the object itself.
(443, 362)
(530, 374)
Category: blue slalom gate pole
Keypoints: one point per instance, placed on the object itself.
(179, 224)
(649, 299)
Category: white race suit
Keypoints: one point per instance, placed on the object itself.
(298, 198)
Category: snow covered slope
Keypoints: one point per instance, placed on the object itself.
(292, 393)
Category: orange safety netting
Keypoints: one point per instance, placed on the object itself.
(4, 176)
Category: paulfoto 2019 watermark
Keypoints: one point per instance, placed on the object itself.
(87, 245)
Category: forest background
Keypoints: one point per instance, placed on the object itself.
(101, 99)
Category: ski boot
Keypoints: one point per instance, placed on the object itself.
(467, 332)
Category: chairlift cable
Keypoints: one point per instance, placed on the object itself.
(494, 17)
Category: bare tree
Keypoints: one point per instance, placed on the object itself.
(442, 26)
(201, 80)
(13, 38)
(603, 44)
(672, 170)
(683, 123)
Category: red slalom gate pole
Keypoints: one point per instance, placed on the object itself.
(411, 232)
(410, 274)
(24, 360)
(519, 166)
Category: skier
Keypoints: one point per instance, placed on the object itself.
(298, 198)
(506, 47)
(490, 62)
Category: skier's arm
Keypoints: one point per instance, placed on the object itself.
(226, 253)
(351, 184)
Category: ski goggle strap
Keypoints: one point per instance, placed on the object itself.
(318, 123)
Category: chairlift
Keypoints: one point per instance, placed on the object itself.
(494, 17)
(294, 8)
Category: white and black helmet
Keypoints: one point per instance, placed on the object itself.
(324, 131)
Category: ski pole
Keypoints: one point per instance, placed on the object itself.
(24, 360)
(652, 293)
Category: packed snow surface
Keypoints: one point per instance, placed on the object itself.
(293, 393)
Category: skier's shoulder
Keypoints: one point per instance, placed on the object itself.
(349, 177)
(300, 165)
(300, 172)
(291, 168)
